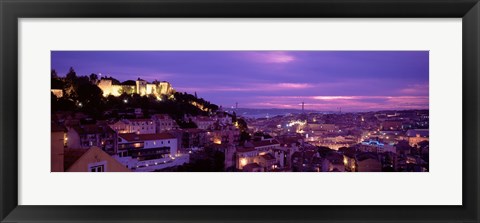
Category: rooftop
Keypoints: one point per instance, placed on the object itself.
(265, 143)
(268, 156)
(245, 149)
(145, 137)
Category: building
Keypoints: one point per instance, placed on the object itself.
(225, 135)
(245, 156)
(267, 161)
(91, 160)
(335, 142)
(141, 87)
(138, 126)
(376, 146)
(223, 119)
(163, 122)
(149, 152)
(392, 125)
(253, 167)
(88, 135)
(58, 143)
(322, 127)
(193, 138)
(108, 88)
(265, 145)
(57, 92)
(415, 136)
(229, 151)
(362, 162)
(203, 122)
(333, 162)
(368, 162)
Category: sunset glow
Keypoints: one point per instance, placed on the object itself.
(324, 80)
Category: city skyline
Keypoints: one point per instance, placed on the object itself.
(324, 80)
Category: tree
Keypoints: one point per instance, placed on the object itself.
(53, 74)
(125, 90)
(56, 84)
(89, 93)
(71, 75)
(93, 78)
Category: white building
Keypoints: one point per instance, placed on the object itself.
(149, 152)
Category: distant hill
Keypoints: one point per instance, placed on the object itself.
(262, 113)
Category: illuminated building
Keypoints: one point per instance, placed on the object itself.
(141, 87)
(415, 136)
(138, 126)
(57, 92)
(245, 156)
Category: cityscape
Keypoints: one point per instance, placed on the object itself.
(239, 111)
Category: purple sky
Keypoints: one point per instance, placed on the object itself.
(324, 80)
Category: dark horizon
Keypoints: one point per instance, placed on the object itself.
(356, 81)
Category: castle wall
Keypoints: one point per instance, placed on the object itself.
(165, 88)
(141, 88)
(106, 86)
(152, 89)
(116, 89)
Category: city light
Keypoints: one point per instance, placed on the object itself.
(243, 162)
(157, 122)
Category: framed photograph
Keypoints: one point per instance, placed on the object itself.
(227, 111)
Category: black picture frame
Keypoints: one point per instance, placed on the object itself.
(11, 11)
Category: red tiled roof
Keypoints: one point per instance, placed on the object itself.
(145, 137)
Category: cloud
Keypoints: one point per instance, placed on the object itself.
(347, 103)
(333, 97)
(251, 87)
(415, 89)
(276, 57)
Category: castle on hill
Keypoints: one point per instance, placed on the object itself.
(141, 87)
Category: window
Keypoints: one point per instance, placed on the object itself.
(99, 168)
